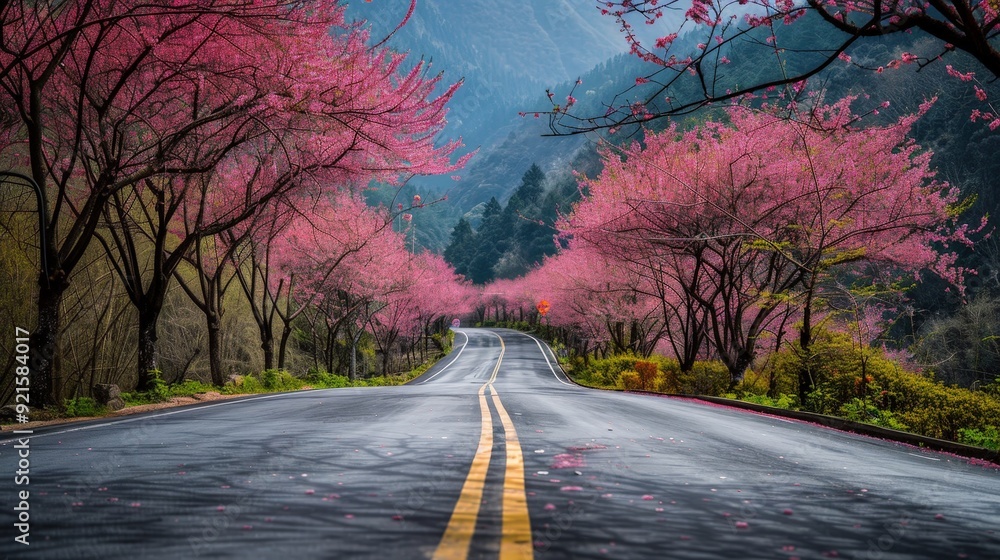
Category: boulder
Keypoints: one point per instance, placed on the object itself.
(109, 395)
(8, 413)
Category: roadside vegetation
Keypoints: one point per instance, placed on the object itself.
(268, 381)
(863, 385)
(859, 383)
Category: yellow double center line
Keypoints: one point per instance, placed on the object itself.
(515, 533)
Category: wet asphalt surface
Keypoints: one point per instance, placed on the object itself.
(376, 473)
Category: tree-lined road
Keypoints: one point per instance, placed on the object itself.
(492, 453)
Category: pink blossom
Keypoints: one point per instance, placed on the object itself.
(665, 42)
(966, 77)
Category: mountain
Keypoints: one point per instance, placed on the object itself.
(507, 53)
(513, 48)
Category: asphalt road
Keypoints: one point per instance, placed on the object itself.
(490, 454)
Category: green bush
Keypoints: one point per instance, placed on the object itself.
(326, 380)
(709, 378)
(444, 342)
(933, 409)
(158, 392)
(190, 387)
(605, 373)
(861, 411)
(279, 380)
(988, 437)
(788, 402)
(82, 406)
(245, 385)
(158, 389)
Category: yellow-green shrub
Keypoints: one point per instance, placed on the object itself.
(861, 383)
(705, 378)
(630, 381)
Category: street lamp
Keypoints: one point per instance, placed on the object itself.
(40, 200)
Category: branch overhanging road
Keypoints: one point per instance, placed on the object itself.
(491, 454)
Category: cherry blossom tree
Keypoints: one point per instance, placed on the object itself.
(107, 95)
(745, 233)
(425, 290)
(341, 260)
(598, 300)
(143, 106)
(439, 296)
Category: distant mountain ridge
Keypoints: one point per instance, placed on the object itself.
(508, 53)
(511, 47)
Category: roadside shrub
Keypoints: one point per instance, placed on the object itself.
(648, 373)
(248, 384)
(444, 342)
(158, 389)
(862, 384)
(605, 373)
(82, 406)
(753, 383)
(326, 380)
(710, 378)
(858, 410)
(190, 387)
(788, 402)
(933, 409)
(279, 380)
(988, 437)
(158, 392)
(630, 381)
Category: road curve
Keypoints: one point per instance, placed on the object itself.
(492, 453)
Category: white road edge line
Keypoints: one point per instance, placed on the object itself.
(462, 349)
(923, 457)
(544, 355)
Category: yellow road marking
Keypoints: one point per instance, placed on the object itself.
(503, 349)
(515, 532)
(515, 536)
(457, 537)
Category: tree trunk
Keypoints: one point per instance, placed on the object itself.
(267, 344)
(331, 346)
(147, 365)
(45, 345)
(286, 332)
(352, 374)
(805, 340)
(215, 350)
(738, 367)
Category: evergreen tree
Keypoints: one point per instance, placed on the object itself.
(461, 250)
